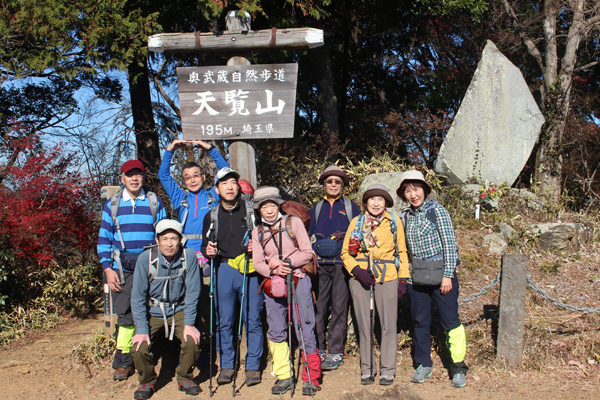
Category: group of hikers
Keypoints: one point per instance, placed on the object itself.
(240, 247)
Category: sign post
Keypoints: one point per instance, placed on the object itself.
(239, 102)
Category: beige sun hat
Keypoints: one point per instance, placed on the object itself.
(168, 224)
(265, 193)
(412, 176)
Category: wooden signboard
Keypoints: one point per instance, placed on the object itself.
(238, 101)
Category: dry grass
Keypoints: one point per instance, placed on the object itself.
(553, 336)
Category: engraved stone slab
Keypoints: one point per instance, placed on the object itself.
(495, 128)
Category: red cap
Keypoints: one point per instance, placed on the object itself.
(132, 164)
(246, 187)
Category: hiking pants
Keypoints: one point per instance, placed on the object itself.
(332, 291)
(228, 293)
(188, 355)
(277, 318)
(122, 307)
(447, 305)
(386, 305)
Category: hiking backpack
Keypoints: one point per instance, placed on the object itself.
(184, 203)
(250, 220)
(311, 267)
(347, 206)
(115, 201)
(357, 232)
(153, 261)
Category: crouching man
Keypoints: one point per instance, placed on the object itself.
(164, 299)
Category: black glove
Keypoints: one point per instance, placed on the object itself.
(363, 276)
(402, 287)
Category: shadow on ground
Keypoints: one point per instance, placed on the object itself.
(392, 393)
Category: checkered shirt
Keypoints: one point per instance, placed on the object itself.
(425, 241)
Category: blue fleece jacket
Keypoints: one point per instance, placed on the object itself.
(177, 290)
(197, 201)
(137, 228)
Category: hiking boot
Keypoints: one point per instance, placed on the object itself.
(367, 379)
(143, 392)
(332, 361)
(386, 380)
(281, 386)
(121, 374)
(421, 374)
(322, 355)
(459, 380)
(225, 377)
(190, 388)
(308, 389)
(252, 377)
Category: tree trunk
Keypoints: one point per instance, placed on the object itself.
(143, 120)
(327, 101)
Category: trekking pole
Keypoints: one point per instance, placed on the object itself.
(289, 280)
(295, 300)
(212, 309)
(371, 312)
(237, 351)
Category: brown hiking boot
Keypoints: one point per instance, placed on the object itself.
(121, 374)
(252, 377)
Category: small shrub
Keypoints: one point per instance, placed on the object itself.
(94, 349)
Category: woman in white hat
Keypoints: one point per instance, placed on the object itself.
(434, 258)
(374, 253)
(282, 247)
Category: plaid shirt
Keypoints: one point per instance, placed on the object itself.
(425, 241)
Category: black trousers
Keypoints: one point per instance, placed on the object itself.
(122, 307)
(331, 288)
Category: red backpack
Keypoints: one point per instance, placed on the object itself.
(297, 210)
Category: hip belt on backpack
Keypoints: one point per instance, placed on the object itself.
(172, 305)
(379, 267)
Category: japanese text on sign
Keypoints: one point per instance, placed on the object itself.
(238, 102)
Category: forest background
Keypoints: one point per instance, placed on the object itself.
(81, 93)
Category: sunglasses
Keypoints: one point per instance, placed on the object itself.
(333, 182)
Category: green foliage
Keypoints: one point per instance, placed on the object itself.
(21, 320)
(76, 289)
(550, 267)
(70, 37)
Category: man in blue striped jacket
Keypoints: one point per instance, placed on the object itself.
(122, 238)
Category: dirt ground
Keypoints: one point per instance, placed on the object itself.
(41, 367)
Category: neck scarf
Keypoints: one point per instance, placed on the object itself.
(371, 223)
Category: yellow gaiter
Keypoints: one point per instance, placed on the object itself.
(457, 344)
(124, 338)
(280, 353)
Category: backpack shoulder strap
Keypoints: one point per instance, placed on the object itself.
(184, 204)
(214, 216)
(430, 213)
(261, 234)
(348, 207)
(153, 199)
(394, 225)
(211, 200)
(115, 201)
(287, 221)
(318, 208)
(250, 221)
(152, 263)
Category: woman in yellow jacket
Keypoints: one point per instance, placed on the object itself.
(378, 236)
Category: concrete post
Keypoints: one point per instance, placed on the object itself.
(512, 308)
